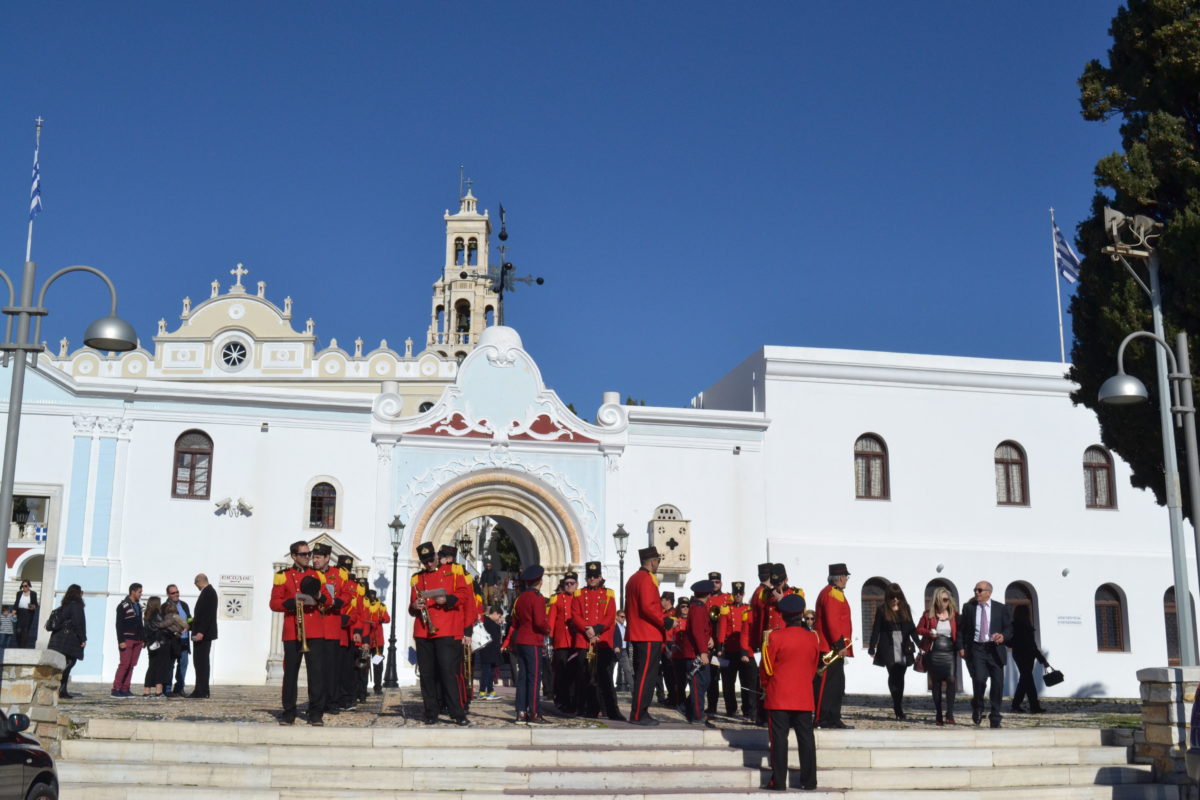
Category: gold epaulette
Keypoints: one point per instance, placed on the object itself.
(345, 573)
(577, 593)
(321, 577)
(456, 569)
(611, 593)
(553, 599)
(362, 591)
(413, 581)
(724, 610)
(280, 578)
(654, 577)
(798, 590)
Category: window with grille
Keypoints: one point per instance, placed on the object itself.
(872, 600)
(870, 468)
(1110, 620)
(322, 506)
(1012, 484)
(192, 478)
(1098, 479)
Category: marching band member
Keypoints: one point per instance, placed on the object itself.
(718, 609)
(789, 663)
(298, 593)
(758, 601)
(565, 659)
(736, 648)
(530, 627)
(328, 648)
(645, 628)
(695, 644)
(593, 618)
(433, 603)
(835, 623)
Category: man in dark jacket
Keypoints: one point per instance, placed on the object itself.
(130, 629)
(204, 633)
(182, 647)
(983, 628)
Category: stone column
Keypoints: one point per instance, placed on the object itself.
(30, 686)
(1167, 695)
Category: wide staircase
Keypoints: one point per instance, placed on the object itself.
(131, 760)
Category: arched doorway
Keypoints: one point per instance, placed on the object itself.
(531, 515)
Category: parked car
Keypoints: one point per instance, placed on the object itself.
(26, 770)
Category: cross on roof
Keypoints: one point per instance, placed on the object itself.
(239, 271)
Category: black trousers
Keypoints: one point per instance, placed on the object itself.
(666, 680)
(438, 661)
(566, 661)
(698, 684)
(713, 692)
(595, 685)
(327, 651)
(779, 723)
(66, 675)
(529, 675)
(647, 658)
(832, 692)
(983, 667)
(746, 673)
(201, 651)
(291, 674)
(1025, 684)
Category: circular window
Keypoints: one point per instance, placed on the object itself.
(424, 407)
(233, 355)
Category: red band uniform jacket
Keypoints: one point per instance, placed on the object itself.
(597, 608)
(694, 639)
(789, 663)
(530, 624)
(283, 598)
(561, 634)
(833, 618)
(447, 619)
(643, 608)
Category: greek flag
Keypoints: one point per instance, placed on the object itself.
(35, 192)
(1065, 258)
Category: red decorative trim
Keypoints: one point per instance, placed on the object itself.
(14, 553)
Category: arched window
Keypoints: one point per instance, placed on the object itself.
(421, 409)
(322, 506)
(192, 478)
(1172, 622)
(870, 468)
(1020, 593)
(872, 599)
(473, 253)
(458, 252)
(489, 316)
(1110, 619)
(462, 317)
(1098, 490)
(1012, 482)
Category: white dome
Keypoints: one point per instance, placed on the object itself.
(501, 337)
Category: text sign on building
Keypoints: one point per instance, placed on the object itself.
(237, 580)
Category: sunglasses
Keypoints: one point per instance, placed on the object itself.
(305, 554)
(981, 591)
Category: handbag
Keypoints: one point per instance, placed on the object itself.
(1053, 677)
(480, 637)
(919, 663)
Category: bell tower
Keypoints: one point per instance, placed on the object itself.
(464, 302)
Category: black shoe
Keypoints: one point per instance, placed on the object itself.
(976, 716)
(1016, 709)
(462, 722)
(65, 696)
(431, 720)
(615, 716)
(708, 723)
(199, 695)
(995, 725)
(317, 723)
(839, 725)
(538, 720)
(287, 720)
(900, 715)
(646, 720)
(333, 711)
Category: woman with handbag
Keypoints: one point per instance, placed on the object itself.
(26, 604)
(157, 637)
(893, 642)
(68, 633)
(939, 653)
(1024, 652)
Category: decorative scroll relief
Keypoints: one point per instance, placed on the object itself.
(422, 486)
(84, 424)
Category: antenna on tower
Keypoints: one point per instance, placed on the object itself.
(460, 181)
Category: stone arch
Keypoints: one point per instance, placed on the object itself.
(554, 534)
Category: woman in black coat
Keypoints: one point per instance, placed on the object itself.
(894, 642)
(1024, 652)
(69, 633)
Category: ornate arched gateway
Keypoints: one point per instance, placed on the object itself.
(539, 519)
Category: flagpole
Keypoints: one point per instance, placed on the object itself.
(1062, 348)
(36, 147)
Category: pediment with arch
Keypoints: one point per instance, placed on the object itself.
(362, 569)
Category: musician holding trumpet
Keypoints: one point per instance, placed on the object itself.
(298, 592)
(437, 593)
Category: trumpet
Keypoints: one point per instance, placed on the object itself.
(830, 658)
(429, 626)
(364, 657)
(300, 635)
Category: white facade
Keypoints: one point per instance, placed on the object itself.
(762, 467)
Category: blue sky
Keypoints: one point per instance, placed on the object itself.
(694, 180)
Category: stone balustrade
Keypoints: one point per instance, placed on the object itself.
(1167, 695)
(30, 686)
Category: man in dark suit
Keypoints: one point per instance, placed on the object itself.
(983, 628)
(181, 662)
(204, 632)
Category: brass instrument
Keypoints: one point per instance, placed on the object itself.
(429, 626)
(364, 657)
(830, 658)
(591, 661)
(300, 635)
(468, 668)
(714, 613)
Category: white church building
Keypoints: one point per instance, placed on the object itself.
(232, 436)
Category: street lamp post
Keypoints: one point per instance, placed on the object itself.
(390, 680)
(1116, 390)
(621, 538)
(1123, 389)
(109, 333)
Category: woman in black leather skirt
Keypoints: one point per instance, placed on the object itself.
(939, 632)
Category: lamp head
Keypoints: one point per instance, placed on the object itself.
(110, 333)
(621, 538)
(1122, 390)
(397, 528)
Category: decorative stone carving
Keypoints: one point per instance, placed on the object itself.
(108, 426)
(84, 424)
(383, 452)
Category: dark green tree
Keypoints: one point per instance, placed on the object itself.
(1151, 83)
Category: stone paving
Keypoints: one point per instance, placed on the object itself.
(402, 706)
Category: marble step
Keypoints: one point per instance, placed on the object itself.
(674, 736)
(97, 791)
(574, 755)
(876, 779)
(245, 778)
